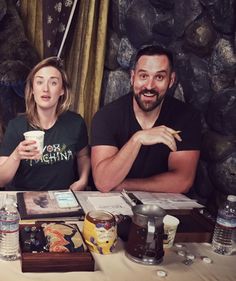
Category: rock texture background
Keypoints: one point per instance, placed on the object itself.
(202, 36)
(17, 57)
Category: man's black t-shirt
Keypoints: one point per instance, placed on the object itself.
(57, 169)
(115, 123)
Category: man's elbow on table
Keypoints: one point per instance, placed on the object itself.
(3, 183)
(185, 184)
(103, 184)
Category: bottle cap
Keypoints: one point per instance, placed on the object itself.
(206, 260)
(190, 256)
(231, 198)
(181, 253)
(161, 273)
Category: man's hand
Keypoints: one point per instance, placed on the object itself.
(160, 134)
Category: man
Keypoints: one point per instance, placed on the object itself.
(146, 140)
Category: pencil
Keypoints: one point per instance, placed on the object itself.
(175, 132)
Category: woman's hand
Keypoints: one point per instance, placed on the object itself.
(83, 165)
(78, 185)
(27, 149)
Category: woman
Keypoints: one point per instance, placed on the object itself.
(65, 161)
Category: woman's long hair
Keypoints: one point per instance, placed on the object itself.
(64, 100)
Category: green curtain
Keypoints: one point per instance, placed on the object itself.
(85, 56)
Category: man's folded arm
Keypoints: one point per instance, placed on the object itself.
(110, 166)
(179, 178)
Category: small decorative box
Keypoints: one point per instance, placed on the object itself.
(53, 247)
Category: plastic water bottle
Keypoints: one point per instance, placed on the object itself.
(224, 233)
(9, 231)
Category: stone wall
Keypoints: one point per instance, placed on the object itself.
(17, 57)
(202, 36)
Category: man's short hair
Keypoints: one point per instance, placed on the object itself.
(152, 50)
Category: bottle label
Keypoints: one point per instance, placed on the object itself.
(9, 226)
(227, 222)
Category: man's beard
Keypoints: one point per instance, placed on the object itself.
(148, 106)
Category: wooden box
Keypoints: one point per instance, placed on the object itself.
(193, 227)
(56, 261)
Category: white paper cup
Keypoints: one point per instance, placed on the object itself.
(170, 226)
(38, 136)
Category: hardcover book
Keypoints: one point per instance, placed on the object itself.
(49, 204)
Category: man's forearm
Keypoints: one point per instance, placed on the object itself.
(182, 167)
(112, 171)
(165, 182)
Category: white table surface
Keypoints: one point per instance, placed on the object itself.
(117, 266)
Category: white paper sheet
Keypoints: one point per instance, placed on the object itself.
(113, 204)
(93, 200)
(168, 200)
